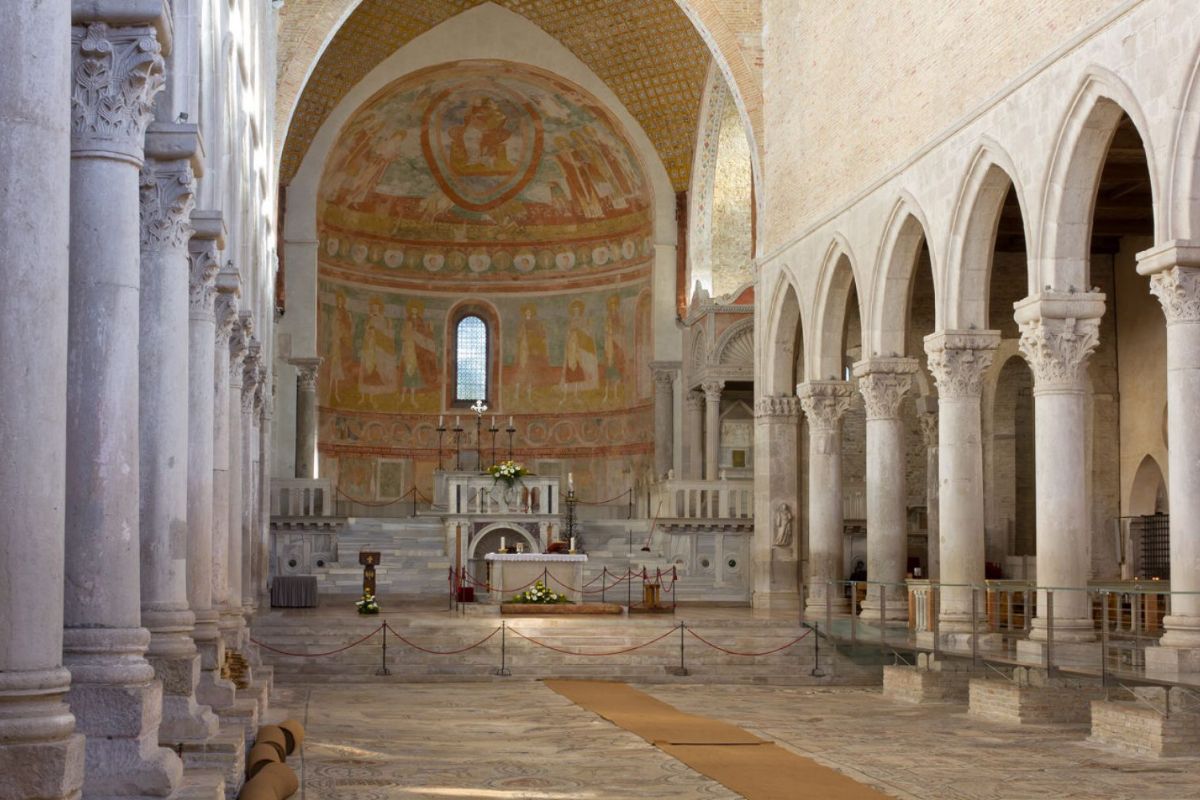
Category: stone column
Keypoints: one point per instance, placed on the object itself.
(712, 428)
(664, 417)
(167, 192)
(694, 430)
(958, 361)
(233, 624)
(1174, 270)
(825, 403)
(251, 405)
(306, 416)
(36, 728)
(263, 554)
(776, 543)
(1059, 331)
(114, 694)
(203, 251)
(929, 435)
(884, 382)
(228, 294)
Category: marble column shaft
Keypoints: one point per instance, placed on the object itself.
(1059, 331)
(40, 754)
(929, 434)
(228, 293)
(306, 416)
(1175, 281)
(712, 429)
(664, 419)
(693, 403)
(825, 403)
(115, 696)
(251, 403)
(167, 193)
(958, 361)
(263, 553)
(239, 342)
(884, 382)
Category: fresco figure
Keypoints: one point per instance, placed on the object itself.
(418, 353)
(583, 194)
(614, 349)
(533, 352)
(479, 145)
(341, 356)
(364, 175)
(580, 370)
(378, 376)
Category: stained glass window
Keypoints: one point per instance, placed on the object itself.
(471, 359)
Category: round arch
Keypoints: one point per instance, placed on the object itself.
(895, 271)
(501, 527)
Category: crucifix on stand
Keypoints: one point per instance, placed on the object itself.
(479, 408)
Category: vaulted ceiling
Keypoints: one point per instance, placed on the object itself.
(647, 51)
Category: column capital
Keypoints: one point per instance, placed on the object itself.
(664, 373)
(1059, 332)
(693, 400)
(929, 427)
(239, 344)
(1178, 290)
(825, 403)
(167, 195)
(307, 370)
(883, 383)
(712, 390)
(958, 360)
(116, 74)
(785, 408)
(204, 262)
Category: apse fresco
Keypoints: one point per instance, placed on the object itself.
(507, 188)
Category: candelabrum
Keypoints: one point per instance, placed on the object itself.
(510, 430)
(479, 408)
(572, 501)
(458, 431)
(493, 430)
(441, 431)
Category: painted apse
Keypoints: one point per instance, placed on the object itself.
(501, 190)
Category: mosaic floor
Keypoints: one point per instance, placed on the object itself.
(521, 740)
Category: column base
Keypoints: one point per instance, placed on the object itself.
(178, 669)
(782, 600)
(225, 752)
(118, 705)
(1069, 653)
(1066, 629)
(211, 689)
(1181, 632)
(40, 755)
(1172, 663)
(894, 611)
(816, 609)
(232, 626)
(958, 642)
(1033, 698)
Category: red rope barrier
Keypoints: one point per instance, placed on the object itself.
(442, 652)
(319, 655)
(585, 590)
(610, 653)
(749, 655)
(620, 496)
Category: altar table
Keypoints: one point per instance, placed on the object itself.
(512, 573)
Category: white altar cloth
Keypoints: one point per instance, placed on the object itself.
(512, 573)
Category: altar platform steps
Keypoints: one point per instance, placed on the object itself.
(330, 628)
(412, 554)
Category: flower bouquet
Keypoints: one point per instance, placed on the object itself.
(507, 471)
(539, 594)
(368, 604)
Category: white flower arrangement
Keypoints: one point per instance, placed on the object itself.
(508, 471)
(368, 604)
(539, 594)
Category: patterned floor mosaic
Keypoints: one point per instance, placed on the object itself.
(521, 740)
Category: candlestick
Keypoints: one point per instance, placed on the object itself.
(570, 481)
(510, 420)
(457, 446)
(441, 431)
(510, 431)
(493, 431)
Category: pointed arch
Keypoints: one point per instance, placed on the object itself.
(968, 274)
(1148, 484)
(1069, 196)
(838, 277)
(783, 340)
(1182, 196)
(895, 272)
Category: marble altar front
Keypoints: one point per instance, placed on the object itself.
(510, 573)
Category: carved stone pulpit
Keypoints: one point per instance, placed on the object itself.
(369, 560)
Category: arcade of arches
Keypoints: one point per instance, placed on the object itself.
(884, 319)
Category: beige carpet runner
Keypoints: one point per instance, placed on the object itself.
(753, 767)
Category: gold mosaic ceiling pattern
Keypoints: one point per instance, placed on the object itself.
(646, 51)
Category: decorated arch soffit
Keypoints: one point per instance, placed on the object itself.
(647, 51)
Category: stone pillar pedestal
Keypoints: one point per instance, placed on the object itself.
(958, 361)
(167, 188)
(114, 694)
(776, 544)
(929, 435)
(1031, 697)
(1059, 331)
(693, 430)
(233, 624)
(712, 429)
(1174, 270)
(664, 416)
(824, 404)
(228, 294)
(40, 754)
(931, 680)
(306, 416)
(884, 383)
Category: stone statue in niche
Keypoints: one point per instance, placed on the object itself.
(783, 525)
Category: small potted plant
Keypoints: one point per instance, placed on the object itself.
(368, 604)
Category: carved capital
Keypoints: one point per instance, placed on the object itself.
(168, 195)
(959, 359)
(203, 266)
(1178, 289)
(883, 383)
(116, 74)
(239, 344)
(781, 407)
(251, 365)
(712, 390)
(307, 370)
(825, 403)
(694, 401)
(226, 310)
(929, 429)
(1058, 350)
(663, 380)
